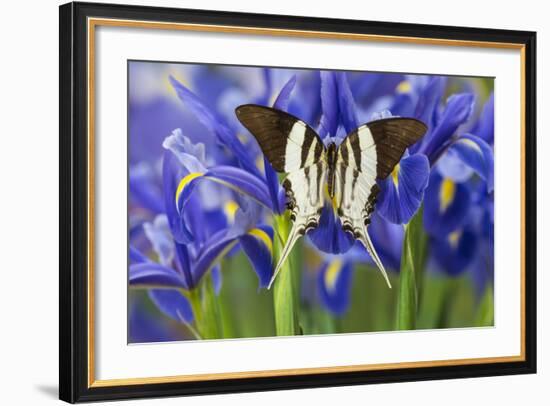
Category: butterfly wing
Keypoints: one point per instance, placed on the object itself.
(369, 153)
(304, 191)
(288, 143)
(291, 146)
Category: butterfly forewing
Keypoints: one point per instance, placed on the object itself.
(287, 142)
(391, 137)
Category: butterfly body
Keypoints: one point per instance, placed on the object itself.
(348, 171)
(332, 151)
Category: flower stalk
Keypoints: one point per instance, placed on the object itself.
(206, 310)
(412, 262)
(285, 289)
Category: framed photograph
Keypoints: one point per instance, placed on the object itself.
(257, 202)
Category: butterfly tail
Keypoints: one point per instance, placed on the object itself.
(293, 236)
(370, 248)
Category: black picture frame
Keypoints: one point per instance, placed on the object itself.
(73, 255)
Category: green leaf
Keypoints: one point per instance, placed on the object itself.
(285, 287)
(433, 306)
(412, 262)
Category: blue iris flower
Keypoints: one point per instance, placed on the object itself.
(402, 193)
(334, 275)
(334, 281)
(483, 263)
(338, 118)
(470, 245)
(436, 171)
(460, 188)
(228, 137)
(189, 241)
(456, 157)
(208, 199)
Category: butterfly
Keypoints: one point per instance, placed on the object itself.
(349, 171)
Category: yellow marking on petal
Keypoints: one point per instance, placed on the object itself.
(272, 99)
(184, 182)
(454, 237)
(260, 163)
(262, 235)
(472, 145)
(395, 175)
(230, 208)
(446, 194)
(404, 87)
(243, 138)
(331, 275)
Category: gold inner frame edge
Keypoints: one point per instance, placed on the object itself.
(92, 23)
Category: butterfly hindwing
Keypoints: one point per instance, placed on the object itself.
(304, 190)
(355, 198)
(367, 154)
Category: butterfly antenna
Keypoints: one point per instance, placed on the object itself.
(370, 248)
(291, 240)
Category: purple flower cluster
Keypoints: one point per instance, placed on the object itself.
(200, 188)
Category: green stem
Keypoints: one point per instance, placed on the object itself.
(412, 261)
(206, 309)
(285, 289)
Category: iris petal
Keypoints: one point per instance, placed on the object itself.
(173, 304)
(387, 239)
(209, 119)
(214, 249)
(283, 98)
(346, 104)
(334, 281)
(142, 189)
(191, 156)
(477, 154)
(184, 262)
(455, 252)
(485, 126)
(329, 236)
(217, 279)
(272, 181)
(329, 105)
(483, 266)
(451, 166)
(446, 205)
(413, 180)
(457, 111)
(136, 256)
(171, 173)
(402, 197)
(429, 99)
(234, 178)
(257, 244)
(159, 235)
(152, 274)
